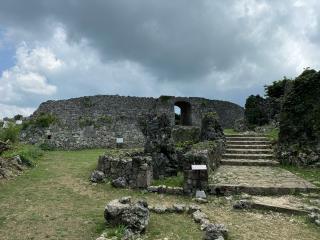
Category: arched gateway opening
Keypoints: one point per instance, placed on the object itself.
(183, 113)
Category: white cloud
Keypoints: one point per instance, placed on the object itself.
(12, 110)
(29, 75)
(211, 49)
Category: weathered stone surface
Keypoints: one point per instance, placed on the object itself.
(201, 194)
(10, 167)
(240, 125)
(193, 208)
(119, 182)
(97, 121)
(179, 208)
(215, 231)
(4, 146)
(97, 176)
(186, 133)
(199, 216)
(210, 127)
(159, 143)
(135, 216)
(242, 204)
(257, 180)
(315, 217)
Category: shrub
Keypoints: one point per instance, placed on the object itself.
(85, 121)
(29, 154)
(18, 117)
(10, 133)
(300, 115)
(165, 99)
(45, 120)
(87, 102)
(277, 88)
(256, 112)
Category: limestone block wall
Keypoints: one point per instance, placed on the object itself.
(97, 121)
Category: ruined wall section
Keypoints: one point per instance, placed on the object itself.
(96, 121)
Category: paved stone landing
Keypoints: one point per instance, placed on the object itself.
(249, 166)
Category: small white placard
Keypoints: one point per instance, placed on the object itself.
(198, 167)
(19, 122)
(119, 140)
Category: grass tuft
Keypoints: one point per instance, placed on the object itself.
(176, 181)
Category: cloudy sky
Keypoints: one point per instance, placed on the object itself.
(210, 48)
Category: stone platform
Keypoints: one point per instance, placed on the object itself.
(257, 180)
(248, 165)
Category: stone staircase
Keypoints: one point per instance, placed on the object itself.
(249, 166)
(248, 150)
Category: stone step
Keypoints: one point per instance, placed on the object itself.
(248, 151)
(244, 138)
(227, 189)
(247, 142)
(247, 156)
(245, 135)
(248, 162)
(261, 146)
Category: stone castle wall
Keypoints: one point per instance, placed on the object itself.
(96, 121)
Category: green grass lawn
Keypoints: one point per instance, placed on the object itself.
(55, 200)
(310, 174)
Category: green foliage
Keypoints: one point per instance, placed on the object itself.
(46, 147)
(211, 115)
(256, 111)
(43, 120)
(165, 99)
(308, 173)
(183, 145)
(204, 145)
(273, 135)
(87, 102)
(229, 131)
(18, 117)
(175, 181)
(277, 88)
(300, 115)
(117, 232)
(10, 133)
(29, 154)
(86, 121)
(104, 120)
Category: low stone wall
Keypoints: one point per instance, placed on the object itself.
(204, 153)
(134, 170)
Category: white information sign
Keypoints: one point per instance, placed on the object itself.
(119, 140)
(198, 167)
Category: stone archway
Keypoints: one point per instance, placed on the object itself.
(185, 116)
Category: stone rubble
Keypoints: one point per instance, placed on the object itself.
(97, 176)
(135, 216)
(242, 204)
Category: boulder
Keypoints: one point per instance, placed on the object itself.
(242, 204)
(97, 176)
(135, 216)
(120, 182)
(215, 232)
